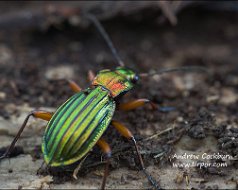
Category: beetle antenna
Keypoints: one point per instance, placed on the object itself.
(106, 37)
(176, 69)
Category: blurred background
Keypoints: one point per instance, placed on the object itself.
(43, 43)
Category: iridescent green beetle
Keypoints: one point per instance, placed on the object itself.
(77, 125)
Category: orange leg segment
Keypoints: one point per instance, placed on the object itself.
(42, 115)
(37, 114)
(107, 150)
(135, 104)
(74, 86)
(91, 75)
(124, 131)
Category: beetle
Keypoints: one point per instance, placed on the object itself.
(78, 124)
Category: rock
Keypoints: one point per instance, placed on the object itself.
(59, 73)
(43, 183)
(23, 173)
(5, 55)
(2, 95)
(7, 128)
(228, 96)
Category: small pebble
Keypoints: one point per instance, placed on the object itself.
(228, 96)
(5, 54)
(2, 95)
(59, 73)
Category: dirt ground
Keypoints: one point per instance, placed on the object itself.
(176, 146)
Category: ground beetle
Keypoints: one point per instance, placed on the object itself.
(77, 125)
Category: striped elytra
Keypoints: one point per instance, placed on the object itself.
(76, 126)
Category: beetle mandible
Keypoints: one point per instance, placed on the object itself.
(77, 125)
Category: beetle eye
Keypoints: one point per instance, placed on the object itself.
(135, 79)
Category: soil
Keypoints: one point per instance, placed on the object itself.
(35, 62)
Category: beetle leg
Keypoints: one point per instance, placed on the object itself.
(37, 114)
(76, 170)
(136, 104)
(91, 75)
(73, 85)
(76, 88)
(124, 131)
(107, 150)
(141, 102)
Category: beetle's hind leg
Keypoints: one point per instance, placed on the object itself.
(126, 133)
(131, 105)
(37, 114)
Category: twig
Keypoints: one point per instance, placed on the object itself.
(160, 133)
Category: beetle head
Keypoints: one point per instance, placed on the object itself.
(129, 74)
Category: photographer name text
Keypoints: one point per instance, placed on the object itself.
(204, 156)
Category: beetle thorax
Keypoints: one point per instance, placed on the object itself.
(116, 82)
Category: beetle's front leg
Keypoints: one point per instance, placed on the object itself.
(136, 104)
(141, 102)
(37, 114)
